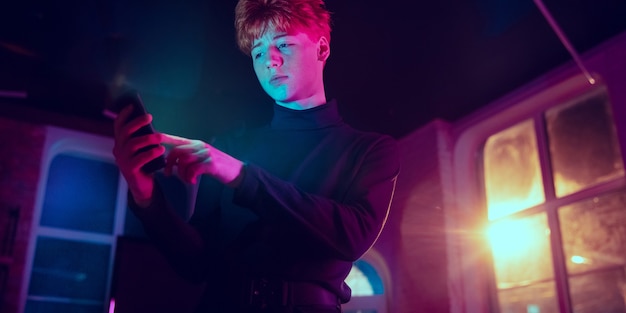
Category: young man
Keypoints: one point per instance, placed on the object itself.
(282, 211)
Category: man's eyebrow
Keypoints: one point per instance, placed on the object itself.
(275, 37)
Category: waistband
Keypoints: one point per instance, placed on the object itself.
(265, 292)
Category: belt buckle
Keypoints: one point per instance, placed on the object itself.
(265, 292)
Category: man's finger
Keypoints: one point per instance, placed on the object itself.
(174, 140)
(122, 117)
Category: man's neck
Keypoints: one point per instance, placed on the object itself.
(304, 104)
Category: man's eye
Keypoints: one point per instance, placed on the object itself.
(283, 45)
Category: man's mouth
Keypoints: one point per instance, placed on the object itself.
(277, 80)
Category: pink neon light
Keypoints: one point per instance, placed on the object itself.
(564, 40)
(112, 305)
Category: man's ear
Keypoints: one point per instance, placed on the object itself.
(323, 49)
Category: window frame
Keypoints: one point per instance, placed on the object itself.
(64, 141)
(472, 290)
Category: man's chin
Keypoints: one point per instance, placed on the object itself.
(278, 95)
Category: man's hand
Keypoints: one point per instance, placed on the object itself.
(128, 159)
(193, 158)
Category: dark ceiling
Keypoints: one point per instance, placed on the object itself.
(395, 65)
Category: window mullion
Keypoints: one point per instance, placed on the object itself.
(558, 256)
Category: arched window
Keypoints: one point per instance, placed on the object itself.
(78, 215)
(369, 281)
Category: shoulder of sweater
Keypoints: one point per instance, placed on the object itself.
(368, 135)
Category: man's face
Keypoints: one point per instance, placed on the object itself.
(289, 67)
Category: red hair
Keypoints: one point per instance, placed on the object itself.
(253, 17)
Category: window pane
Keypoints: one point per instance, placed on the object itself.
(521, 251)
(583, 144)
(594, 233)
(599, 292)
(364, 280)
(69, 269)
(511, 170)
(358, 282)
(536, 298)
(80, 195)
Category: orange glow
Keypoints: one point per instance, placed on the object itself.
(512, 174)
(514, 239)
(504, 208)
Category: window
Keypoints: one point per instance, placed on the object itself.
(77, 218)
(594, 244)
(364, 280)
(511, 170)
(367, 279)
(80, 194)
(556, 206)
(583, 144)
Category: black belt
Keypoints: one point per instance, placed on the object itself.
(269, 292)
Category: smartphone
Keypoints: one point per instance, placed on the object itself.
(133, 98)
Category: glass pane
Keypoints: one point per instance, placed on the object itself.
(52, 307)
(80, 195)
(358, 282)
(511, 169)
(594, 232)
(583, 144)
(364, 280)
(69, 269)
(599, 292)
(521, 251)
(536, 298)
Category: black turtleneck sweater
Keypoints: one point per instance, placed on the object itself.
(314, 197)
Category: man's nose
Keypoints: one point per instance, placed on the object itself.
(273, 58)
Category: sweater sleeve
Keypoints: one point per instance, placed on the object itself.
(182, 244)
(344, 228)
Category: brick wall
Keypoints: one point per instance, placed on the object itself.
(21, 145)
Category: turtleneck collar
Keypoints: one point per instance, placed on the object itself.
(321, 116)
